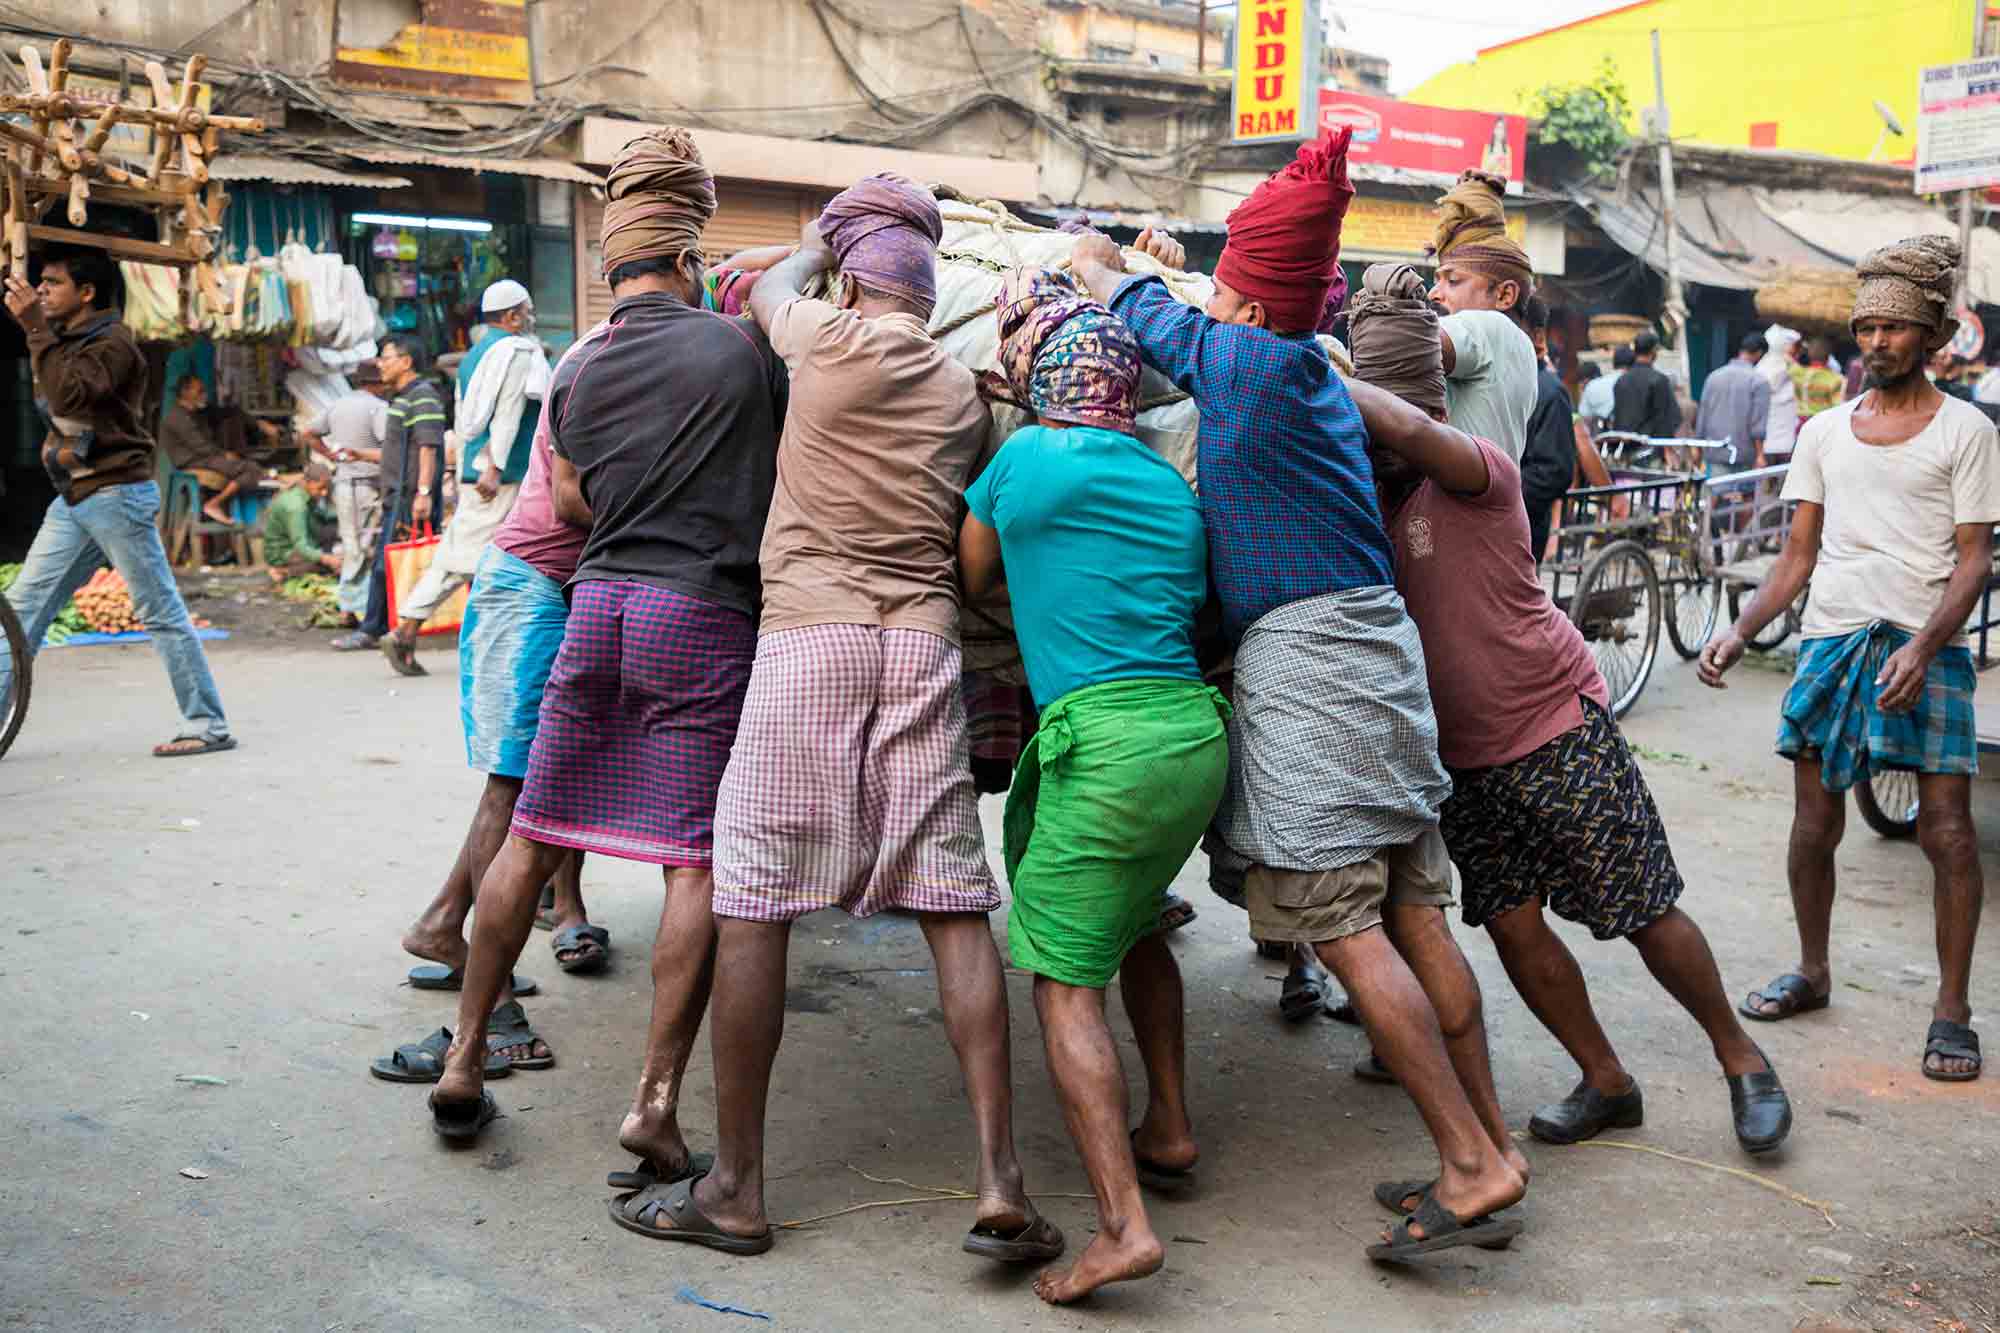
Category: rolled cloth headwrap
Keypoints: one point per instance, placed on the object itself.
(1472, 231)
(884, 231)
(1912, 280)
(1065, 356)
(658, 197)
(1283, 249)
(1392, 334)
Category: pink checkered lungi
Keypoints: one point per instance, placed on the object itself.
(849, 785)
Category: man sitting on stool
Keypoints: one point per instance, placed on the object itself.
(185, 435)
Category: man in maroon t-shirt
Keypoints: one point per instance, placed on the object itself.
(1547, 806)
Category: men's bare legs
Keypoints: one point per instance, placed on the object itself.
(439, 933)
(683, 972)
(972, 991)
(1546, 975)
(502, 921)
(749, 1003)
(1946, 833)
(1819, 818)
(1423, 936)
(1083, 1062)
(1474, 1179)
(1149, 981)
(1678, 956)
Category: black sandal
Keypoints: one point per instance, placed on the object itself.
(1158, 1175)
(509, 1027)
(460, 1122)
(638, 1212)
(1791, 994)
(647, 1172)
(423, 1061)
(1443, 1231)
(589, 948)
(1037, 1242)
(1952, 1041)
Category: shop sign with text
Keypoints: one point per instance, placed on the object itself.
(1277, 71)
(1428, 141)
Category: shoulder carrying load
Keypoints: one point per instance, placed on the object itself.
(981, 242)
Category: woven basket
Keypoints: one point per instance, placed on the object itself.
(1617, 330)
(1812, 300)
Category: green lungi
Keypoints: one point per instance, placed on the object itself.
(1108, 802)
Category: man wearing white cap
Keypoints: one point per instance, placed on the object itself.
(503, 369)
(1776, 370)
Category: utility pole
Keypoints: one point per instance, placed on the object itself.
(1965, 197)
(1201, 40)
(1677, 311)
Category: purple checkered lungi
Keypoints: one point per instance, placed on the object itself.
(636, 725)
(850, 786)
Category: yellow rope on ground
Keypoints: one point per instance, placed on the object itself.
(1823, 1209)
(938, 1194)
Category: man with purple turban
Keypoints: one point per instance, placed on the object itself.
(849, 784)
(1106, 565)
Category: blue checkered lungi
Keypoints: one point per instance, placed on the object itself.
(1830, 708)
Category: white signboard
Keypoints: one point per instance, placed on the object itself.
(1958, 126)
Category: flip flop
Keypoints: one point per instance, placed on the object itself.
(591, 945)
(1037, 1242)
(1370, 1069)
(1391, 1193)
(1175, 912)
(1443, 1231)
(648, 1172)
(460, 1122)
(1159, 1176)
(209, 745)
(509, 1027)
(1791, 993)
(423, 1062)
(686, 1221)
(436, 976)
(1952, 1041)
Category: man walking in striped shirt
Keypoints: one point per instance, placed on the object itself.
(412, 464)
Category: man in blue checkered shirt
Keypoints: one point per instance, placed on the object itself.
(1335, 781)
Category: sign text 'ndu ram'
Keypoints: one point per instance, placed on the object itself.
(1277, 71)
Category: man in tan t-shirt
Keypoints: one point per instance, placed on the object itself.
(849, 784)
(1898, 492)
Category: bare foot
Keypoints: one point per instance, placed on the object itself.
(463, 1078)
(1466, 1199)
(217, 514)
(653, 1135)
(737, 1215)
(433, 943)
(1163, 1147)
(1003, 1200)
(1105, 1260)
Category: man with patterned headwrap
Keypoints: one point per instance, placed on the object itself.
(1100, 545)
(1483, 284)
(662, 438)
(849, 785)
(1898, 490)
(1334, 776)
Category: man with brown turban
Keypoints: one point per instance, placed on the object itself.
(662, 441)
(1483, 284)
(1898, 490)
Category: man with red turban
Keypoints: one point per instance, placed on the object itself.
(1334, 783)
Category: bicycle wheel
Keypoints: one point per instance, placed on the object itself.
(1696, 606)
(1617, 607)
(16, 675)
(1888, 801)
(1772, 636)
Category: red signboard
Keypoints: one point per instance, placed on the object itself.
(1428, 140)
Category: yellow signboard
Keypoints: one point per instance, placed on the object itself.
(1399, 229)
(472, 50)
(1277, 71)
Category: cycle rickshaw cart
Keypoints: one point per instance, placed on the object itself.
(1635, 558)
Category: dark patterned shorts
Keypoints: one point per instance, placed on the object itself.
(1572, 824)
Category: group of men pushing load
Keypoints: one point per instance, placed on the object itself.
(718, 632)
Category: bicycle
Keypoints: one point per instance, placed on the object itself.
(17, 670)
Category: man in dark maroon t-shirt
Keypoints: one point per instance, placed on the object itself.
(1548, 808)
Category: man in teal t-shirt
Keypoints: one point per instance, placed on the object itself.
(1106, 564)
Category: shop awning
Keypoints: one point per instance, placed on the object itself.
(296, 171)
(543, 168)
(1739, 237)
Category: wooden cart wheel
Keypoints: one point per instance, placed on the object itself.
(1617, 607)
(1888, 801)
